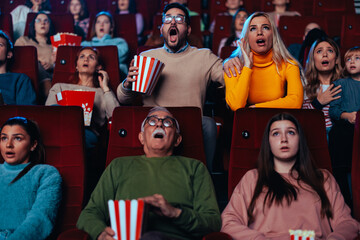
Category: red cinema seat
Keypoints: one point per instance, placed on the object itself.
(126, 124)
(125, 27)
(226, 51)
(292, 29)
(248, 130)
(65, 64)
(216, 7)
(59, 6)
(63, 22)
(148, 8)
(8, 5)
(6, 25)
(355, 176)
(194, 6)
(222, 30)
(333, 11)
(62, 131)
(25, 61)
(350, 32)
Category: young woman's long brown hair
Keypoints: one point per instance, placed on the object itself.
(311, 73)
(304, 171)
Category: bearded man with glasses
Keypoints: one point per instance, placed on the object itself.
(178, 189)
(187, 73)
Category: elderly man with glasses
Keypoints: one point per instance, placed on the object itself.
(178, 189)
(187, 73)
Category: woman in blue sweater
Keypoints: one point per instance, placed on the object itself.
(30, 190)
(102, 35)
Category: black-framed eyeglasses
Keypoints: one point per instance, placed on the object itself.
(178, 19)
(38, 20)
(167, 121)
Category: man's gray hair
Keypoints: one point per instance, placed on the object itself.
(158, 109)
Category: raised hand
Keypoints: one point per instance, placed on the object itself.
(104, 80)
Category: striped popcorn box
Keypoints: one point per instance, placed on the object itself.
(302, 234)
(127, 218)
(149, 73)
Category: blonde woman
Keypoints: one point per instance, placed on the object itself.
(269, 76)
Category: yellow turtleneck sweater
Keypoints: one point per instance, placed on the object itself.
(263, 86)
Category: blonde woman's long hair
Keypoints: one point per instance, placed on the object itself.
(312, 74)
(280, 52)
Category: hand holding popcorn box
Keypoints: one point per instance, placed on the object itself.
(127, 218)
(302, 234)
(149, 73)
(84, 99)
(64, 39)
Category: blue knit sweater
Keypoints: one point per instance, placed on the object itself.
(28, 207)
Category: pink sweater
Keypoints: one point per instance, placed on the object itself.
(275, 222)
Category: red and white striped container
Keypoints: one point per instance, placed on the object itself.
(149, 73)
(127, 218)
(302, 234)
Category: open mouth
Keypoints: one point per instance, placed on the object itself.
(173, 34)
(352, 67)
(9, 154)
(159, 133)
(284, 148)
(260, 42)
(85, 65)
(325, 63)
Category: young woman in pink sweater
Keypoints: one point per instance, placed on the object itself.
(287, 192)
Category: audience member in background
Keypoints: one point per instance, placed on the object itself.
(191, 13)
(19, 14)
(80, 13)
(287, 191)
(295, 48)
(270, 77)
(41, 28)
(30, 190)
(237, 26)
(90, 76)
(343, 114)
(129, 6)
(232, 6)
(102, 35)
(323, 67)
(187, 73)
(280, 9)
(178, 190)
(16, 88)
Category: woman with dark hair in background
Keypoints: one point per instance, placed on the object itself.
(80, 13)
(41, 28)
(90, 76)
(236, 27)
(19, 14)
(287, 191)
(102, 35)
(30, 190)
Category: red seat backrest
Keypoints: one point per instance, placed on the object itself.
(65, 64)
(355, 176)
(148, 8)
(63, 22)
(6, 25)
(126, 125)
(350, 31)
(226, 51)
(25, 61)
(304, 7)
(248, 130)
(125, 27)
(222, 30)
(8, 5)
(292, 29)
(216, 7)
(62, 131)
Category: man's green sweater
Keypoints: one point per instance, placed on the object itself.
(184, 182)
